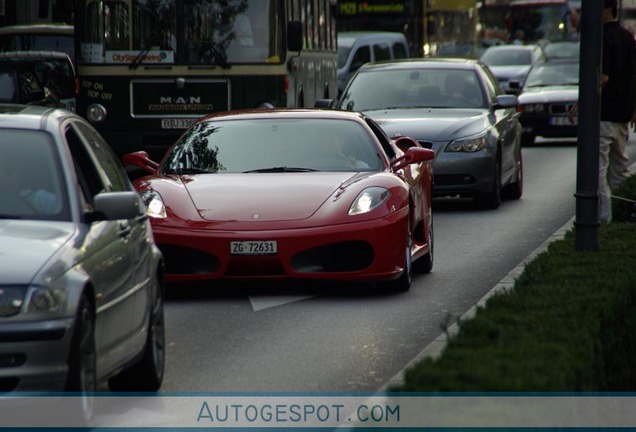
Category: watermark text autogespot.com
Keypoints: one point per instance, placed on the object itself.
(297, 413)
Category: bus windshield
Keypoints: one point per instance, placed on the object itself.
(551, 22)
(180, 32)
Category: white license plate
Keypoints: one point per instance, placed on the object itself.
(562, 121)
(177, 123)
(266, 247)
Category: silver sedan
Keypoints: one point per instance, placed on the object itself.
(456, 108)
(81, 278)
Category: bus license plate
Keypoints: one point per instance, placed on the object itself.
(177, 123)
(266, 247)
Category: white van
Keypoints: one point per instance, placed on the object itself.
(358, 48)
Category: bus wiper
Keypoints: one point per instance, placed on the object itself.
(282, 169)
(138, 59)
(215, 55)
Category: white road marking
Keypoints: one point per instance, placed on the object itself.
(265, 302)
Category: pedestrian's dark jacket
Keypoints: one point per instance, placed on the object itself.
(619, 63)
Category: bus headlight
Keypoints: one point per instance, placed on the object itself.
(96, 113)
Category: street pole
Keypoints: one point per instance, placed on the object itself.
(586, 221)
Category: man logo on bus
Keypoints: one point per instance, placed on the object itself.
(180, 100)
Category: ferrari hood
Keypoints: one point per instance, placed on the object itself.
(26, 246)
(430, 124)
(265, 197)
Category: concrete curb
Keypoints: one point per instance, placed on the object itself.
(435, 348)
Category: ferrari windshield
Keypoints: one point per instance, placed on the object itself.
(187, 32)
(274, 146)
(413, 88)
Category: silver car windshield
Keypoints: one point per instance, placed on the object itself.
(553, 74)
(414, 88)
(31, 184)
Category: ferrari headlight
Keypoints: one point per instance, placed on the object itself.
(369, 199)
(468, 145)
(154, 204)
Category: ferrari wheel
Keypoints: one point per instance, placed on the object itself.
(425, 264)
(403, 283)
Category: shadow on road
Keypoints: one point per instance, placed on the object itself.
(241, 289)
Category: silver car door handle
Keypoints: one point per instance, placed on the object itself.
(124, 229)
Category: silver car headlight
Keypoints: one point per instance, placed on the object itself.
(11, 300)
(369, 199)
(44, 299)
(467, 145)
(37, 299)
(155, 207)
(533, 108)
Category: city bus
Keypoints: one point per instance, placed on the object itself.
(492, 20)
(17, 12)
(451, 28)
(550, 20)
(431, 27)
(401, 16)
(149, 68)
(627, 15)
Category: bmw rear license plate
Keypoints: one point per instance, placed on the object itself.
(563, 121)
(262, 247)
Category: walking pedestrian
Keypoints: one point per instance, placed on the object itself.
(618, 105)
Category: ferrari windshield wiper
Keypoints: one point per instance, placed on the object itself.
(282, 169)
(180, 171)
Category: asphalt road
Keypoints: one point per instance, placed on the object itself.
(316, 338)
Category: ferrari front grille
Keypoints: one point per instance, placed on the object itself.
(183, 261)
(335, 257)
